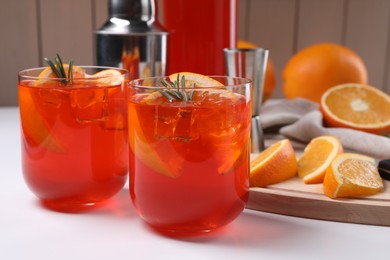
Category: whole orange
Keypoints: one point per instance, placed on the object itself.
(270, 77)
(313, 70)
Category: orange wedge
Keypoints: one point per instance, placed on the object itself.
(316, 158)
(275, 164)
(352, 175)
(357, 106)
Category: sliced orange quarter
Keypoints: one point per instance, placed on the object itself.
(316, 158)
(275, 164)
(352, 175)
(357, 106)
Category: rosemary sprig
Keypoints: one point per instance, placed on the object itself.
(59, 70)
(176, 90)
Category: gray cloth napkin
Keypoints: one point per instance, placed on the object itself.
(300, 119)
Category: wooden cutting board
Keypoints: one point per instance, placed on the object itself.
(294, 198)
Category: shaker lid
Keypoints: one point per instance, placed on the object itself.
(132, 9)
(132, 16)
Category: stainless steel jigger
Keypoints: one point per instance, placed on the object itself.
(251, 64)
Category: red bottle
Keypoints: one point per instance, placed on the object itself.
(199, 30)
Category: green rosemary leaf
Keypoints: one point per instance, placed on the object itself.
(167, 84)
(178, 80)
(53, 67)
(59, 70)
(177, 89)
(61, 66)
(177, 94)
(191, 94)
(185, 96)
(168, 95)
(70, 72)
(183, 87)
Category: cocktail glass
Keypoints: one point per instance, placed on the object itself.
(74, 136)
(189, 160)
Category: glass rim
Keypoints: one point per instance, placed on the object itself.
(237, 82)
(24, 74)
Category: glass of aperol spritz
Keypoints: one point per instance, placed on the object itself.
(189, 150)
(74, 135)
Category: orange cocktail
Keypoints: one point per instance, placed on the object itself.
(189, 158)
(74, 135)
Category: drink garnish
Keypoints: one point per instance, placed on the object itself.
(177, 89)
(59, 70)
(178, 84)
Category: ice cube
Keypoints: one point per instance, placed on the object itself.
(90, 104)
(53, 97)
(174, 123)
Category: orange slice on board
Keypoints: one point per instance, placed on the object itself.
(275, 164)
(316, 158)
(352, 175)
(357, 106)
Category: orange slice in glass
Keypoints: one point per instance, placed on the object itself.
(34, 127)
(196, 79)
(141, 147)
(108, 77)
(47, 75)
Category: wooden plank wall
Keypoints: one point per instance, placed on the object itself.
(32, 29)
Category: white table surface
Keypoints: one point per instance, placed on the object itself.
(29, 231)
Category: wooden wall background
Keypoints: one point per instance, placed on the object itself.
(32, 29)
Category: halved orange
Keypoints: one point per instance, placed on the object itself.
(275, 164)
(316, 158)
(351, 175)
(357, 106)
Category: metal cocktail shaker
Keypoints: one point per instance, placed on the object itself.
(132, 39)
